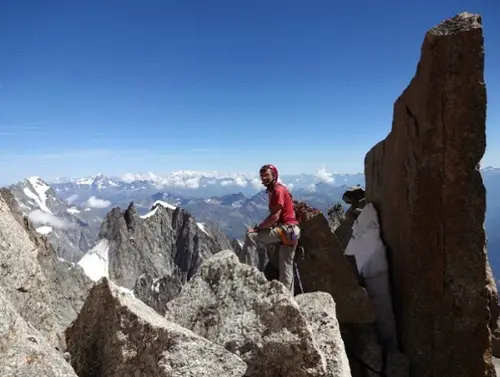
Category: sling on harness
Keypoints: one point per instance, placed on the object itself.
(287, 235)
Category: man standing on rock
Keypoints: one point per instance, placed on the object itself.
(280, 226)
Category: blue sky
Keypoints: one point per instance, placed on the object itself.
(135, 86)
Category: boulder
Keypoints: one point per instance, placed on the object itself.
(232, 304)
(116, 334)
(319, 310)
(354, 196)
(24, 351)
(425, 182)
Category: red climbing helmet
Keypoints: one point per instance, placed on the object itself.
(271, 167)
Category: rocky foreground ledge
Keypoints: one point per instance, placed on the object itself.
(227, 321)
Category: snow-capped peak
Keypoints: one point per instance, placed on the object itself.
(155, 208)
(490, 168)
(85, 181)
(192, 183)
(37, 192)
(36, 181)
(131, 177)
(163, 204)
(98, 181)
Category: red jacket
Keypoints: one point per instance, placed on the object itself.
(280, 198)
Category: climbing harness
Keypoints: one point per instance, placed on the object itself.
(287, 235)
(289, 238)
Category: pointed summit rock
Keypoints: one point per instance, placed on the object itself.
(425, 182)
(165, 241)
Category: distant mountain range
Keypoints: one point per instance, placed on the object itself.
(191, 184)
(70, 211)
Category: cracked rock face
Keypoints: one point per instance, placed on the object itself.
(24, 351)
(425, 183)
(47, 292)
(118, 335)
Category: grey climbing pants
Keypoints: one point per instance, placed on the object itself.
(262, 238)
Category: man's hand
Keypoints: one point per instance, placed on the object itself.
(253, 229)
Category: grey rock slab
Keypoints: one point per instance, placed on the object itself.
(47, 292)
(24, 351)
(117, 335)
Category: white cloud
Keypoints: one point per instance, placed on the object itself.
(256, 184)
(324, 175)
(241, 181)
(72, 198)
(40, 217)
(94, 202)
(192, 183)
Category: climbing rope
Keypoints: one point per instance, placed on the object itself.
(300, 252)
